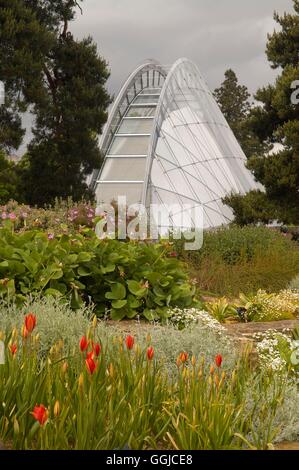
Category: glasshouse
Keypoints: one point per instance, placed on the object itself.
(166, 143)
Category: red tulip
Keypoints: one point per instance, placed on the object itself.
(150, 353)
(91, 365)
(90, 355)
(40, 413)
(130, 342)
(83, 343)
(173, 254)
(13, 349)
(183, 357)
(96, 348)
(30, 322)
(218, 360)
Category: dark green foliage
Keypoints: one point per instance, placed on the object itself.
(9, 180)
(62, 80)
(234, 103)
(276, 121)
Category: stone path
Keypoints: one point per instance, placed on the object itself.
(247, 330)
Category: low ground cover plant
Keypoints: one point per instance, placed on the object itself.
(101, 394)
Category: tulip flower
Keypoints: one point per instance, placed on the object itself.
(183, 357)
(90, 355)
(150, 353)
(13, 349)
(25, 332)
(218, 360)
(96, 348)
(30, 322)
(130, 342)
(83, 344)
(56, 409)
(40, 413)
(64, 367)
(91, 365)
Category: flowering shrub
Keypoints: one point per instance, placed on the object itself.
(189, 317)
(278, 352)
(110, 395)
(63, 217)
(270, 307)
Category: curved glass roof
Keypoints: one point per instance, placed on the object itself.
(166, 142)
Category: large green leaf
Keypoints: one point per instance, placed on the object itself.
(118, 292)
(118, 303)
(136, 289)
(118, 315)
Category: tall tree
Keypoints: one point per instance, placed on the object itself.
(234, 102)
(276, 121)
(62, 81)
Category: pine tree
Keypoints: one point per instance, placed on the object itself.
(62, 81)
(276, 121)
(233, 100)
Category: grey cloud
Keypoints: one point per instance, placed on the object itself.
(214, 34)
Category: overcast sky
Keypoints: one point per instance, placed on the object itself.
(215, 34)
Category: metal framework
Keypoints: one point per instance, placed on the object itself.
(166, 142)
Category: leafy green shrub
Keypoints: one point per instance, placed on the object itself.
(122, 279)
(222, 310)
(245, 260)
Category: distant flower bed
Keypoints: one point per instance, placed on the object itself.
(62, 217)
(259, 307)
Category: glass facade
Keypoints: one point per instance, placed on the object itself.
(167, 143)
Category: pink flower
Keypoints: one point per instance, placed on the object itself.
(50, 236)
(12, 216)
(3, 216)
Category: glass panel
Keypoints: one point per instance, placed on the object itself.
(106, 193)
(136, 126)
(149, 91)
(141, 111)
(147, 99)
(123, 169)
(130, 145)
